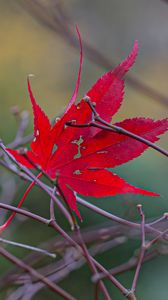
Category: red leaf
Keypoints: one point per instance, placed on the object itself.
(71, 108)
(108, 91)
(21, 158)
(99, 183)
(69, 196)
(69, 154)
(42, 144)
(110, 149)
(41, 121)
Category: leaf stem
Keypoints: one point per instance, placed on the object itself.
(102, 124)
(39, 183)
(6, 224)
(30, 176)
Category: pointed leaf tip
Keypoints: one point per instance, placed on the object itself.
(127, 63)
(33, 101)
(136, 46)
(75, 93)
(41, 145)
(30, 75)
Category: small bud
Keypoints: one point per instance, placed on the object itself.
(166, 215)
(86, 98)
(139, 206)
(30, 75)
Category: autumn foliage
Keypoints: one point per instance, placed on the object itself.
(77, 158)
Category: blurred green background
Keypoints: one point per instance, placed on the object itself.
(111, 26)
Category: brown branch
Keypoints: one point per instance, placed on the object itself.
(134, 262)
(81, 243)
(61, 269)
(91, 235)
(55, 18)
(25, 246)
(23, 123)
(38, 182)
(25, 213)
(130, 264)
(72, 242)
(142, 250)
(98, 122)
(33, 272)
(156, 239)
(117, 219)
(94, 208)
(92, 266)
(20, 139)
(54, 225)
(69, 239)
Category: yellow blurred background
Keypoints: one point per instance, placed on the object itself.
(29, 47)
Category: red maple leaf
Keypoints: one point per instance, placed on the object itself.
(78, 157)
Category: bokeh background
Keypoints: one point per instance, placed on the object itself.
(111, 26)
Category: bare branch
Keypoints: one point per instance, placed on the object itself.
(25, 246)
(98, 122)
(54, 17)
(142, 250)
(33, 272)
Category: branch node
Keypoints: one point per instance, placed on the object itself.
(166, 215)
(50, 221)
(128, 293)
(86, 98)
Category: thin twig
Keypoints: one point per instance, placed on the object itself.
(38, 182)
(102, 124)
(58, 21)
(53, 224)
(130, 264)
(116, 283)
(158, 220)
(81, 243)
(72, 242)
(52, 214)
(117, 219)
(8, 221)
(142, 250)
(92, 266)
(156, 239)
(64, 269)
(33, 272)
(25, 246)
(94, 208)
(25, 213)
